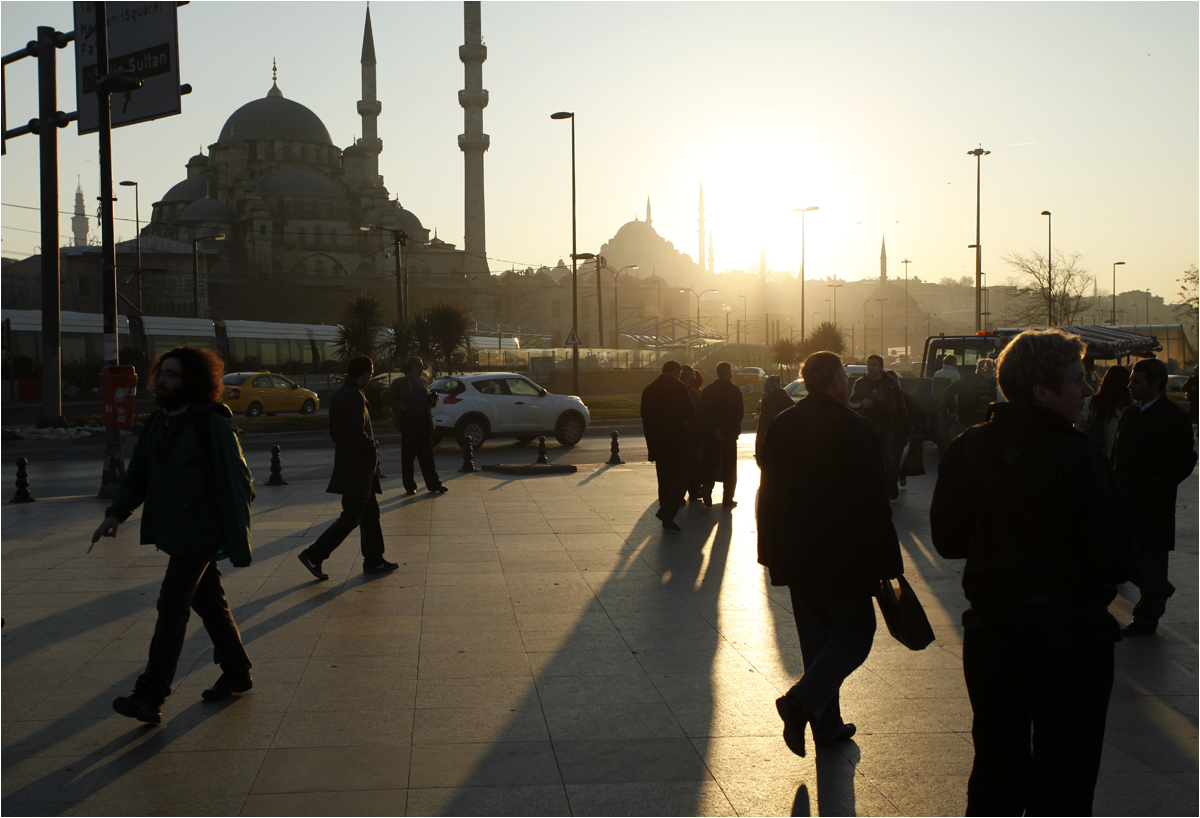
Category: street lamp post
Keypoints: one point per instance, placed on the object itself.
(658, 312)
(599, 293)
(1148, 305)
(399, 240)
(906, 262)
(1112, 319)
(928, 319)
(829, 304)
(1049, 268)
(882, 345)
(746, 317)
(574, 278)
(196, 271)
(978, 153)
(137, 218)
(802, 211)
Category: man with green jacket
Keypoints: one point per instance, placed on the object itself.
(187, 469)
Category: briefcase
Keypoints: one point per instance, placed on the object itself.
(902, 611)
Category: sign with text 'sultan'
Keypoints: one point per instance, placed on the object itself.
(142, 38)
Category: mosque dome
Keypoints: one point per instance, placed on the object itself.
(409, 222)
(198, 159)
(206, 210)
(274, 117)
(189, 190)
(636, 231)
(299, 182)
(353, 150)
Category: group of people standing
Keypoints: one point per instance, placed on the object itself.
(1049, 526)
(691, 437)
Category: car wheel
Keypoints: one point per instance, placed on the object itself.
(474, 427)
(309, 408)
(570, 428)
(254, 410)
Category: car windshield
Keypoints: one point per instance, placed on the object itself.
(448, 386)
(233, 379)
(796, 389)
(283, 383)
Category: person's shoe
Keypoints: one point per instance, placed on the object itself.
(226, 686)
(904, 481)
(670, 525)
(729, 504)
(795, 720)
(141, 706)
(1136, 628)
(707, 500)
(380, 567)
(659, 514)
(409, 492)
(439, 489)
(313, 565)
(847, 733)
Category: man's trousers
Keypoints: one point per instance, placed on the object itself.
(416, 443)
(357, 512)
(673, 474)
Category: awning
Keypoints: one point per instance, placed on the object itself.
(1106, 343)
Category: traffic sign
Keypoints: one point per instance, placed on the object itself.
(142, 38)
(572, 339)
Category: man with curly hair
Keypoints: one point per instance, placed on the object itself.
(189, 473)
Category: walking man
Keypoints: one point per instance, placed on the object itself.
(721, 413)
(355, 476)
(188, 471)
(666, 410)
(821, 467)
(969, 399)
(412, 416)
(1152, 455)
(1040, 574)
(774, 401)
(942, 380)
(878, 398)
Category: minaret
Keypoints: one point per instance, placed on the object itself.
(648, 219)
(473, 142)
(883, 262)
(712, 264)
(369, 107)
(700, 229)
(79, 222)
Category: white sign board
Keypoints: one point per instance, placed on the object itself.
(142, 38)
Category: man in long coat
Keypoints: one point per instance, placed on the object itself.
(721, 412)
(1152, 455)
(825, 531)
(355, 476)
(666, 410)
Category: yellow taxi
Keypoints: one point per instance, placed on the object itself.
(266, 393)
(1175, 391)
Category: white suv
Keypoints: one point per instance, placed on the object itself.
(504, 404)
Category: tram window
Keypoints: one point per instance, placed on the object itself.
(74, 346)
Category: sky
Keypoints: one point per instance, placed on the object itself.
(865, 110)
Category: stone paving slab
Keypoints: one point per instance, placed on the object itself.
(544, 649)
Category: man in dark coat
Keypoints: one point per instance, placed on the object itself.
(774, 401)
(1152, 455)
(412, 417)
(721, 412)
(355, 476)
(878, 398)
(696, 490)
(825, 531)
(1040, 574)
(666, 410)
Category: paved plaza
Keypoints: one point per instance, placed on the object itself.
(544, 649)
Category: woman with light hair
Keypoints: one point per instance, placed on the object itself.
(1040, 574)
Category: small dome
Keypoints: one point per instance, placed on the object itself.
(299, 182)
(206, 210)
(189, 190)
(353, 150)
(198, 159)
(409, 223)
(274, 117)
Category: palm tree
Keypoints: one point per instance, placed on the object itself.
(825, 337)
(448, 330)
(785, 352)
(362, 318)
(413, 337)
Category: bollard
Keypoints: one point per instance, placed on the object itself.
(276, 478)
(468, 466)
(615, 458)
(23, 495)
(542, 459)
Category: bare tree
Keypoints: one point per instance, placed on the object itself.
(1186, 308)
(1053, 296)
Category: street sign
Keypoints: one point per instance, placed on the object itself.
(572, 339)
(142, 38)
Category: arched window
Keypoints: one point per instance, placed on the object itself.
(319, 266)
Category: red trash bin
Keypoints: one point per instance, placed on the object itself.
(118, 389)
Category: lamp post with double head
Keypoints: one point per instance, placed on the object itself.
(196, 271)
(575, 257)
(746, 318)
(802, 211)
(882, 345)
(399, 241)
(616, 308)
(906, 262)
(1112, 318)
(137, 218)
(978, 153)
(1049, 267)
(574, 249)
